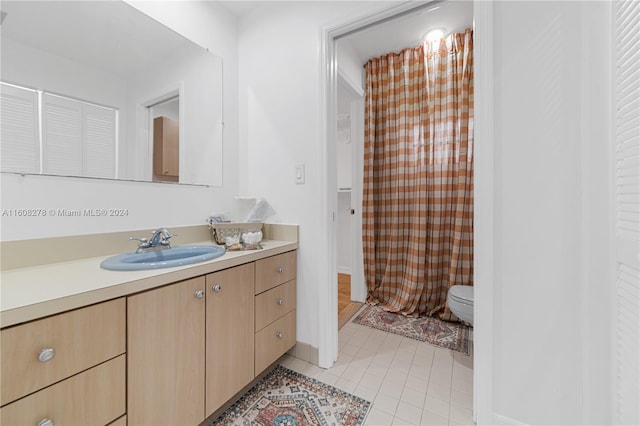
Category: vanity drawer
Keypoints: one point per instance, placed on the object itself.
(78, 339)
(275, 270)
(93, 397)
(274, 303)
(274, 340)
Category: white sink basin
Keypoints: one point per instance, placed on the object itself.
(175, 256)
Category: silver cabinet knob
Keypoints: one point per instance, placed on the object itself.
(280, 269)
(279, 335)
(217, 288)
(45, 422)
(280, 302)
(199, 294)
(46, 354)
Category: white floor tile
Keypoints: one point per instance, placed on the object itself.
(366, 392)
(438, 392)
(431, 419)
(371, 380)
(328, 378)
(391, 388)
(349, 349)
(463, 416)
(416, 382)
(408, 382)
(346, 385)
(437, 406)
(313, 371)
(353, 373)
(413, 397)
(386, 403)
(461, 399)
(378, 418)
(409, 413)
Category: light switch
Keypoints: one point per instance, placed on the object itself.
(299, 173)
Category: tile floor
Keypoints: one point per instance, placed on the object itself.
(408, 382)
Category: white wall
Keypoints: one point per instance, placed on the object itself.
(149, 205)
(38, 69)
(349, 65)
(279, 61)
(198, 76)
(551, 223)
(551, 327)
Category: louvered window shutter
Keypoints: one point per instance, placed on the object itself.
(78, 138)
(99, 136)
(19, 141)
(61, 136)
(626, 39)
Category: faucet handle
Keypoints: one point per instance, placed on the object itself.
(143, 241)
(166, 237)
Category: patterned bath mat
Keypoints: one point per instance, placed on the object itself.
(449, 335)
(286, 398)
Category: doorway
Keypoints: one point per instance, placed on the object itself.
(481, 21)
(393, 33)
(349, 143)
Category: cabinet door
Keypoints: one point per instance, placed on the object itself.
(93, 397)
(165, 355)
(76, 340)
(230, 333)
(166, 149)
(275, 270)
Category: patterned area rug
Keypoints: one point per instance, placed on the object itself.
(449, 335)
(286, 398)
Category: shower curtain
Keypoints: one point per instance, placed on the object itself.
(418, 176)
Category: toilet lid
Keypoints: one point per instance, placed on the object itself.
(463, 293)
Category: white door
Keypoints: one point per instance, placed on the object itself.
(358, 283)
(626, 48)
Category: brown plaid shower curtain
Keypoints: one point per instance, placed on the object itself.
(418, 176)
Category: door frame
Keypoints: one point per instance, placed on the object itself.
(483, 192)
(356, 114)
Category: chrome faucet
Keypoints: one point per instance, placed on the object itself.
(159, 241)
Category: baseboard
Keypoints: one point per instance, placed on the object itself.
(305, 352)
(500, 420)
(343, 270)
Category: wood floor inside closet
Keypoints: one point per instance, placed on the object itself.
(346, 308)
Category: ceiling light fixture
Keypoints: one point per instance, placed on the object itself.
(434, 34)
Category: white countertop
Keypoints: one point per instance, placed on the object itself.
(35, 292)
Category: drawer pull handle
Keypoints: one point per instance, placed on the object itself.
(46, 354)
(279, 335)
(199, 294)
(280, 302)
(217, 288)
(45, 422)
(280, 269)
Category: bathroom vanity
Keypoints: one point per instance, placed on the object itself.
(168, 346)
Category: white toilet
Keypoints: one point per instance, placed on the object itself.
(460, 301)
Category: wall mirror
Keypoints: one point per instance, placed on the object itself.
(99, 89)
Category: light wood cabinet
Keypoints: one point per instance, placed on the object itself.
(61, 367)
(275, 326)
(67, 343)
(230, 333)
(274, 303)
(275, 340)
(93, 397)
(166, 149)
(275, 270)
(122, 421)
(165, 353)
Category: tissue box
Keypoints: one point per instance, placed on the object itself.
(221, 231)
